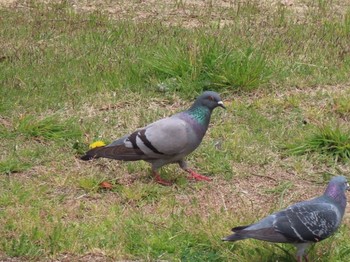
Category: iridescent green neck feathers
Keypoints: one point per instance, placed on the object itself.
(201, 114)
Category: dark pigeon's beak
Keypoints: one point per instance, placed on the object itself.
(221, 104)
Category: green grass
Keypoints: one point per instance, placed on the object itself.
(48, 128)
(13, 165)
(326, 140)
(210, 64)
(69, 77)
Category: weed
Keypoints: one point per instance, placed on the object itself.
(210, 64)
(342, 105)
(22, 246)
(13, 165)
(47, 128)
(245, 70)
(90, 184)
(325, 140)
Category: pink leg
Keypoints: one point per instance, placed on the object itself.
(300, 258)
(159, 180)
(197, 176)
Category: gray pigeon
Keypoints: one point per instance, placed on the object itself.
(165, 141)
(302, 223)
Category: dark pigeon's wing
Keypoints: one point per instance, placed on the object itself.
(308, 221)
(303, 222)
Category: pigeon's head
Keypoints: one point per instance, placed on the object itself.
(340, 182)
(210, 99)
(336, 188)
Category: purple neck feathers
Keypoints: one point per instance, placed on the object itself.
(335, 193)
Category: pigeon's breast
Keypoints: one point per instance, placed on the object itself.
(196, 130)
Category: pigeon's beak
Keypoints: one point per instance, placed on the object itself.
(348, 187)
(221, 104)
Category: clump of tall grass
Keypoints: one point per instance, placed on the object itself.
(50, 128)
(325, 140)
(13, 165)
(210, 64)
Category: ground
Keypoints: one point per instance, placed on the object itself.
(254, 189)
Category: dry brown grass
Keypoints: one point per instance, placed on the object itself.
(247, 196)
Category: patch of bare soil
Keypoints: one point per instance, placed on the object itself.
(96, 256)
(250, 193)
(7, 3)
(190, 13)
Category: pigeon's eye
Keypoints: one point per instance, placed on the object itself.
(211, 98)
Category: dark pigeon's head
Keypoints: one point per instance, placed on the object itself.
(336, 188)
(340, 182)
(210, 99)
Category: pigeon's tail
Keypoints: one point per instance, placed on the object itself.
(118, 152)
(233, 237)
(91, 154)
(86, 157)
(237, 229)
(264, 233)
(238, 235)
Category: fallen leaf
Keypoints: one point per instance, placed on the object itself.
(106, 185)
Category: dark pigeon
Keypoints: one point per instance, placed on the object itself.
(302, 223)
(165, 141)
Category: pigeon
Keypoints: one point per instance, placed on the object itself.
(165, 141)
(302, 223)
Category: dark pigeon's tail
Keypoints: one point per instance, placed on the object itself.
(234, 237)
(238, 235)
(91, 154)
(86, 157)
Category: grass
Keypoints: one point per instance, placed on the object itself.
(71, 75)
(325, 140)
(209, 64)
(48, 128)
(13, 165)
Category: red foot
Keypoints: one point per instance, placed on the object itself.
(161, 181)
(300, 258)
(197, 176)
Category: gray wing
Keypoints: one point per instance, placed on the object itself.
(308, 221)
(165, 138)
(303, 222)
